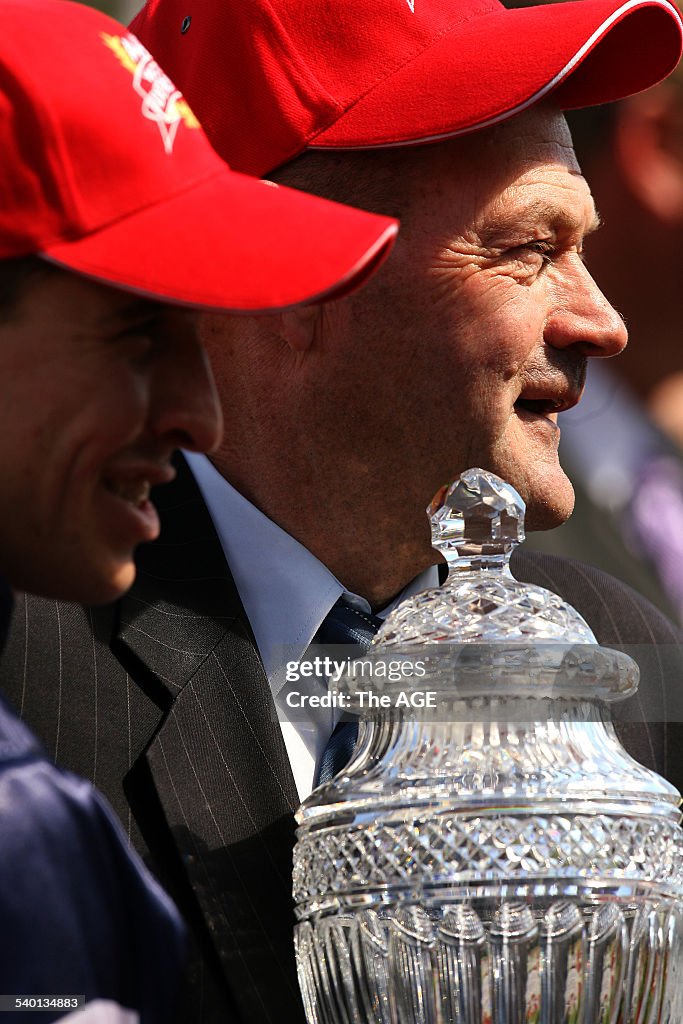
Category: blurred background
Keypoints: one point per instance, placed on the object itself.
(622, 446)
(123, 10)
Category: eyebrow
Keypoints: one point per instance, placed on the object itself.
(133, 310)
(596, 222)
(540, 212)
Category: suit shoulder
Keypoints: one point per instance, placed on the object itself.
(616, 612)
(60, 837)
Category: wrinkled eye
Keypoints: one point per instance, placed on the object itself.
(531, 259)
(545, 249)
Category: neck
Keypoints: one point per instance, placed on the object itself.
(373, 548)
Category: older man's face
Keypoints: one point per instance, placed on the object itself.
(477, 332)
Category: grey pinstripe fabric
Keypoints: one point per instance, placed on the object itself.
(620, 616)
(594, 535)
(162, 701)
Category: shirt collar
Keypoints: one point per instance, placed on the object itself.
(285, 590)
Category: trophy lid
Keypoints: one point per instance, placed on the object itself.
(476, 524)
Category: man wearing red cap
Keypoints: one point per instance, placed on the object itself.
(106, 177)
(343, 422)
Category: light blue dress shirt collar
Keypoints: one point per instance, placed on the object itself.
(285, 590)
(286, 593)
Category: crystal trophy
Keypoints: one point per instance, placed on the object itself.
(495, 857)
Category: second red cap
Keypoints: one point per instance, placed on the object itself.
(270, 78)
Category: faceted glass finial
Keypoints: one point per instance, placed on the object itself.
(476, 524)
(478, 518)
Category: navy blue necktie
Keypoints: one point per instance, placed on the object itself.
(343, 625)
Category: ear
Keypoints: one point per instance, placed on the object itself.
(296, 327)
(650, 151)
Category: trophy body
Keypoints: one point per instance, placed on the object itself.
(492, 855)
(479, 872)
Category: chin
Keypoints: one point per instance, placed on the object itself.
(71, 573)
(110, 586)
(545, 488)
(93, 585)
(547, 510)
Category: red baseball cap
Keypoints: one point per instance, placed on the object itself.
(270, 78)
(106, 171)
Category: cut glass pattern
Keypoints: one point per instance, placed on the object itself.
(495, 869)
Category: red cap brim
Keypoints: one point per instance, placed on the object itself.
(235, 243)
(585, 52)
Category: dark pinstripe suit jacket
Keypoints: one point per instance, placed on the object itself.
(162, 701)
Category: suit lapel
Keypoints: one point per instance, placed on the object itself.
(184, 598)
(218, 761)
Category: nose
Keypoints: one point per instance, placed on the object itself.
(186, 411)
(582, 317)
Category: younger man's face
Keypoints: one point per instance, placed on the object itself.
(99, 388)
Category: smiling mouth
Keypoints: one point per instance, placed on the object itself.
(135, 492)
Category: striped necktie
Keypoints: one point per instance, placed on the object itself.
(343, 625)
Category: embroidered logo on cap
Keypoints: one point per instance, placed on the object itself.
(161, 101)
